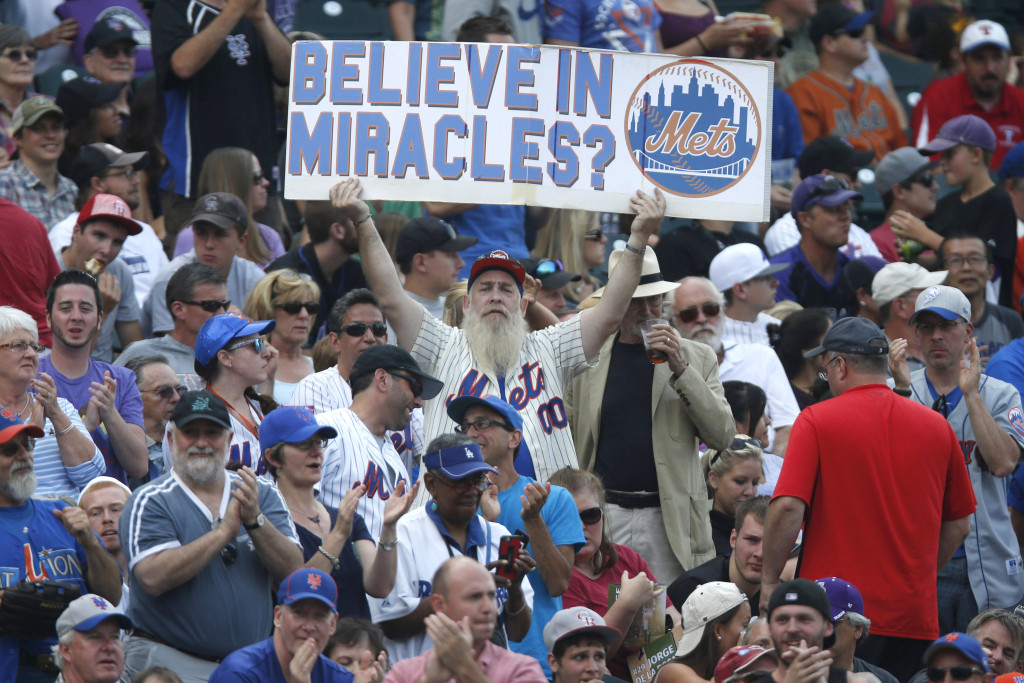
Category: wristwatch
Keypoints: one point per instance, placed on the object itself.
(261, 519)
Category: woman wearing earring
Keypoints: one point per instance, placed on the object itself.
(714, 617)
(232, 357)
(334, 540)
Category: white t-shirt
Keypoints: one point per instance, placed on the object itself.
(759, 365)
(784, 235)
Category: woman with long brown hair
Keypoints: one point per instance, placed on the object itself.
(237, 170)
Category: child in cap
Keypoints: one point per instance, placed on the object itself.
(966, 144)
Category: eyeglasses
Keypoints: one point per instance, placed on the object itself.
(43, 128)
(16, 55)
(11, 448)
(257, 177)
(482, 423)
(359, 329)
(929, 328)
(257, 343)
(22, 347)
(165, 392)
(464, 486)
(854, 33)
(112, 51)
(416, 384)
(736, 444)
(129, 173)
(293, 307)
(595, 235)
(925, 179)
(974, 261)
(548, 267)
(689, 314)
(311, 443)
(209, 305)
(590, 515)
(823, 375)
(941, 405)
(958, 673)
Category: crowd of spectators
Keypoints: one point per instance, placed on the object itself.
(360, 440)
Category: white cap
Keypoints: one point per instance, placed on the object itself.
(739, 263)
(948, 302)
(896, 279)
(705, 604)
(984, 32)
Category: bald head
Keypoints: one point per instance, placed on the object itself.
(453, 571)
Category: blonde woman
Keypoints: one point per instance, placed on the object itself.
(575, 238)
(733, 475)
(237, 171)
(292, 301)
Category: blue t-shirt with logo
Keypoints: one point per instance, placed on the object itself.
(624, 25)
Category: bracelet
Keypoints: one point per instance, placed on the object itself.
(387, 546)
(509, 613)
(334, 560)
(634, 249)
(702, 45)
(906, 393)
(363, 219)
(66, 429)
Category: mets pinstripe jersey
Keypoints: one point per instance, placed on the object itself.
(356, 457)
(993, 557)
(327, 390)
(534, 386)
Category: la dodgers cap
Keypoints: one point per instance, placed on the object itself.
(896, 279)
(391, 357)
(948, 302)
(291, 424)
(966, 645)
(223, 209)
(458, 407)
(858, 336)
(216, 332)
(457, 462)
(739, 263)
(112, 208)
(967, 129)
(87, 612)
(801, 592)
(427, 233)
(740, 660)
(575, 621)
(33, 109)
(11, 425)
(309, 584)
(497, 260)
(984, 32)
(843, 596)
(200, 405)
(898, 166)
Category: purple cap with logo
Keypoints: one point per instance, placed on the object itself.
(962, 130)
(843, 596)
(822, 189)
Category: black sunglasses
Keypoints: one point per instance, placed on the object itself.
(961, 672)
(595, 235)
(689, 314)
(229, 554)
(359, 329)
(854, 33)
(165, 392)
(590, 515)
(942, 406)
(11, 448)
(293, 307)
(737, 444)
(925, 179)
(209, 305)
(16, 54)
(414, 382)
(112, 51)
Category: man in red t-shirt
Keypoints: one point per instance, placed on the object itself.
(980, 89)
(880, 486)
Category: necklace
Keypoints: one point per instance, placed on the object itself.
(315, 519)
(28, 399)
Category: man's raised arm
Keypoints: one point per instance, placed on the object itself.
(601, 320)
(404, 314)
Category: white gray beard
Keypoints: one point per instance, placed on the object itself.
(19, 487)
(495, 342)
(712, 336)
(200, 472)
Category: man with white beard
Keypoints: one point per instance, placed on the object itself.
(697, 314)
(44, 539)
(493, 354)
(205, 548)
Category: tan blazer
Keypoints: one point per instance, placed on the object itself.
(686, 412)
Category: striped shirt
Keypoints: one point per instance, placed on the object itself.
(56, 478)
(547, 362)
(356, 457)
(742, 332)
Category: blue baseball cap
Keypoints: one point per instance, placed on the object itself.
(457, 462)
(458, 407)
(821, 189)
(843, 596)
(216, 332)
(11, 425)
(291, 424)
(948, 302)
(309, 584)
(966, 645)
(1013, 162)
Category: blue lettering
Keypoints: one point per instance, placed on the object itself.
(481, 170)
(372, 136)
(425, 588)
(522, 150)
(438, 75)
(587, 81)
(411, 151)
(445, 126)
(564, 171)
(309, 79)
(564, 81)
(344, 143)
(379, 95)
(307, 149)
(473, 384)
(481, 80)
(412, 87)
(342, 72)
(516, 77)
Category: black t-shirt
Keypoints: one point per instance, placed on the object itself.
(712, 570)
(688, 249)
(625, 450)
(303, 261)
(721, 531)
(349, 573)
(991, 217)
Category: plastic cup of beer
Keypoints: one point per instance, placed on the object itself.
(646, 328)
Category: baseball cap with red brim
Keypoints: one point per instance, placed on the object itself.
(112, 208)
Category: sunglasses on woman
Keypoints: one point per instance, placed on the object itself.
(590, 515)
(16, 54)
(293, 307)
(257, 342)
(548, 267)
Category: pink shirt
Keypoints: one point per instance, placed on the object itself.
(498, 664)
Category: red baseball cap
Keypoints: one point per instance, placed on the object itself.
(497, 260)
(111, 208)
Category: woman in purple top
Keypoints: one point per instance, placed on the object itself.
(689, 29)
(237, 170)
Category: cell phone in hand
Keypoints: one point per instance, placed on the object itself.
(508, 550)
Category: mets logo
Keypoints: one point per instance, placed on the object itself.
(99, 602)
(693, 128)
(314, 581)
(1016, 418)
(931, 294)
